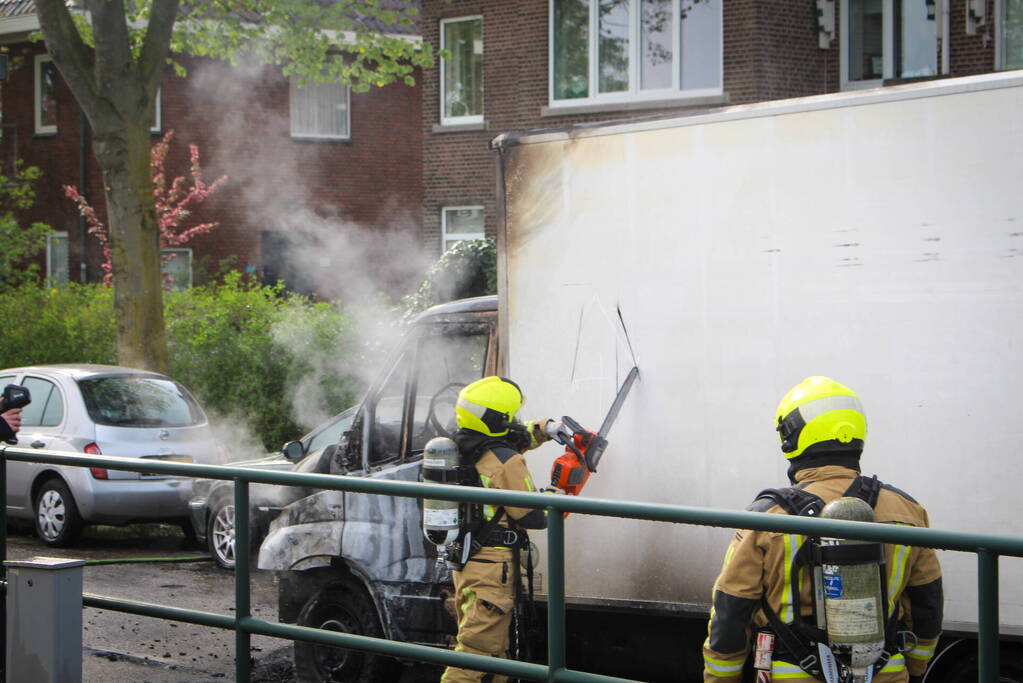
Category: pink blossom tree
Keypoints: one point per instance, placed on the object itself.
(174, 204)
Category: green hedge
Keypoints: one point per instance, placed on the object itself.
(271, 364)
(248, 352)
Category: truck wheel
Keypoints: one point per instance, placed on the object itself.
(220, 533)
(345, 608)
(58, 522)
(964, 668)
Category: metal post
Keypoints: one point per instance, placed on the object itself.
(987, 613)
(45, 620)
(555, 592)
(241, 579)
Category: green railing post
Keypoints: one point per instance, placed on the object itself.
(241, 579)
(987, 616)
(3, 565)
(555, 592)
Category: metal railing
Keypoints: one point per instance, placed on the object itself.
(987, 547)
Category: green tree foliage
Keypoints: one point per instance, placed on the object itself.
(468, 268)
(19, 243)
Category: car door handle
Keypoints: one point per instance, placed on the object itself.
(37, 444)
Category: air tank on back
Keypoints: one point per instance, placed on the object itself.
(441, 518)
(852, 595)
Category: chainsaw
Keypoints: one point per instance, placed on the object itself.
(584, 448)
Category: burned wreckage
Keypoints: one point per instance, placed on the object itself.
(359, 562)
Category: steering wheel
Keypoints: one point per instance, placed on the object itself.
(431, 415)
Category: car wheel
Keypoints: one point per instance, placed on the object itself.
(345, 608)
(220, 533)
(58, 521)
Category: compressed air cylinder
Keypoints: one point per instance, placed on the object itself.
(441, 518)
(853, 599)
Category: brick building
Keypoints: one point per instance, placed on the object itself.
(323, 183)
(551, 63)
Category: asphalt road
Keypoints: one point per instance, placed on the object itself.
(120, 647)
(124, 647)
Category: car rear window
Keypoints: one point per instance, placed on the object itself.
(139, 401)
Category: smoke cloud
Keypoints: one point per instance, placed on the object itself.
(312, 245)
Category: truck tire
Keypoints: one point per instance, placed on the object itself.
(347, 608)
(58, 522)
(963, 668)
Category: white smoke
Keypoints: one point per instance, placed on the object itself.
(364, 269)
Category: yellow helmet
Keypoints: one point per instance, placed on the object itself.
(488, 405)
(819, 410)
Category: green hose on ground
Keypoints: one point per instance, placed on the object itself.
(136, 560)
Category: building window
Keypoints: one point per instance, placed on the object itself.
(1011, 34)
(45, 95)
(320, 110)
(461, 223)
(155, 123)
(57, 259)
(888, 39)
(461, 88)
(627, 50)
(176, 268)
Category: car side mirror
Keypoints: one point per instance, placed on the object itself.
(293, 451)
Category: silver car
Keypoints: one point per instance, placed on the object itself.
(108, 410)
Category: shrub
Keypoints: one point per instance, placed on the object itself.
(277, 363)
(251, 353)
(71, 324)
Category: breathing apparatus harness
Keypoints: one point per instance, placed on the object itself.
(477, 532)
(804, 639)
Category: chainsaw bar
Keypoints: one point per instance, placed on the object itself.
(596, 451)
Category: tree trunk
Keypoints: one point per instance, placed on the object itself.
(123, 154)
(116, 88)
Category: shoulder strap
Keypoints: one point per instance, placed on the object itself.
(792, 499)
(865, 488)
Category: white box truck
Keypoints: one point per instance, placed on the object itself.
(874, 236)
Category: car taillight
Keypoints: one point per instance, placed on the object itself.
(97, 472)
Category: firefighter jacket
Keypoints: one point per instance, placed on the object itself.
(759, 563)
(501, 465)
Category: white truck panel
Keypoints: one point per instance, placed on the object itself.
(875, 237)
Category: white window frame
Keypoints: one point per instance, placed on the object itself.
(635, 93)
(50, 239)
(298, 135)
(37, 94)
(444, 239)
(887, 47)
(456, 120)
(179, 250)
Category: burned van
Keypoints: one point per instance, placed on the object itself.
(359, 563)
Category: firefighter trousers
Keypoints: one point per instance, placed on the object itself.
(484, 600)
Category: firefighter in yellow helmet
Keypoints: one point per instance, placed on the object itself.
(492, 441)
(762, 602)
